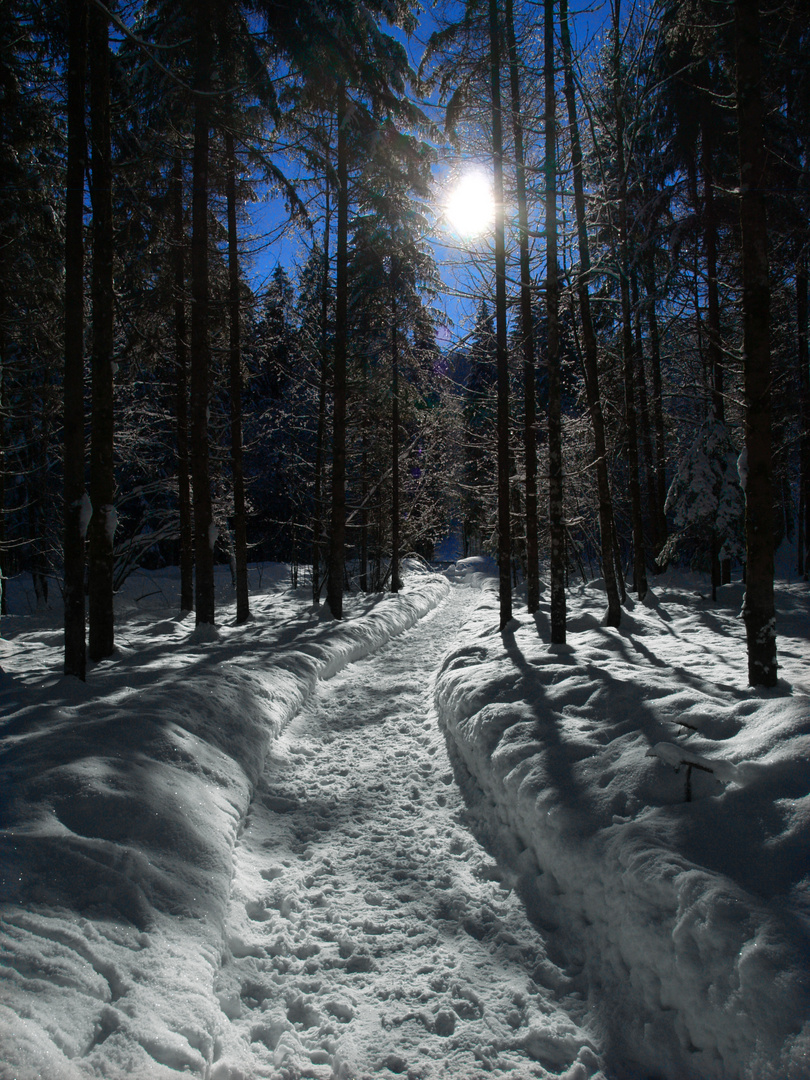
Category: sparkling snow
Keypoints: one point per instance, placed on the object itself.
(300, 849)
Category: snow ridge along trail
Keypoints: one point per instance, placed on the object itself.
(368, 933)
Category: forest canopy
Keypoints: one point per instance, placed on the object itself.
(592, 362)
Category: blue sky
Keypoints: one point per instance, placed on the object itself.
(268, 215)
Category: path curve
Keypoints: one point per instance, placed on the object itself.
(369, 934)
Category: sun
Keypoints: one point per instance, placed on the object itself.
(469, 207)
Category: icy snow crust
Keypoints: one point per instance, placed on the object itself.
(214, 862)
(689, 919)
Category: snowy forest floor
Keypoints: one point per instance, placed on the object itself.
(245, 855)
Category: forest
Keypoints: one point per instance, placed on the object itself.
(611, 377)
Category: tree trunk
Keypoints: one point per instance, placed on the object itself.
(320, 438)
(644, 414)
(337, 538)
(589, 347)
(3, 445)
(235, 374)
(501, 344)
(658, 403)
(181, 393)
(556, 513)
(526, 329)
(101, 638)
(639, 561)
(363, 579)
(758, 606)
(712, 318)
(804, 383)
(396, 584)
(204, 531)
(712, 293)
(75, 496)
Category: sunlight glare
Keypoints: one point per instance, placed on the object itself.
(469, 207)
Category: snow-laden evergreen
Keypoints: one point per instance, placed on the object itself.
(706, 497)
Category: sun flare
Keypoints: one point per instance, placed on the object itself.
(470, 209)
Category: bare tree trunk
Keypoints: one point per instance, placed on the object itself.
(712, 293)
(181, 393)
(320, 438)
(363, 568)
(589, 346)
(235, 374)
(715, 356)
(658, 403)
(556, 513)
(337, 539)
(639, 561)
(204, 531)
(804, 383)
(644, 415)
(501, 344)
(3, 445)
(101, 638)
(396, 584)
(526, 328)
(758, 607)
(75, 496)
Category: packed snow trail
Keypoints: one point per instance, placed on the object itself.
(369, 934)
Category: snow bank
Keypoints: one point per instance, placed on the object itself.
(122, 799)
(690, 919)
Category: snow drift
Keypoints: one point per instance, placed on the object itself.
(121, 801)
(690, 918)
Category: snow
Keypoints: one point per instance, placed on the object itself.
(742, 467)
(688, 919)
(85, 508)
(110, 522)
(405, 844)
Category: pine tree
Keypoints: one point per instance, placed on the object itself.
(758, 608)
(199, 452)
(102, 479)
(501, 346)
(589, 342)
(555, 467)
(76, 512)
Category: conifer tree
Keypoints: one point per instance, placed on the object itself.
(758, 607)
(76, 500)
(501, 345)
(555, 466)
(102, 479)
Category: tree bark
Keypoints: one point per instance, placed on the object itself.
(181, 393)
(75, 496)
(501, 344)
(657, 402)
(396, 584)
(204, 532)
(320, 438)
(526, 327)
(645, 428)
(804, 445)
(235, 378)
(3, 444)
(589, 345)
(337, 538)
(556, 511)
(712, 317)
(758, 606)
(639, 561)
(101, 638)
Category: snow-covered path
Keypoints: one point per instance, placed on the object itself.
(368, 931)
